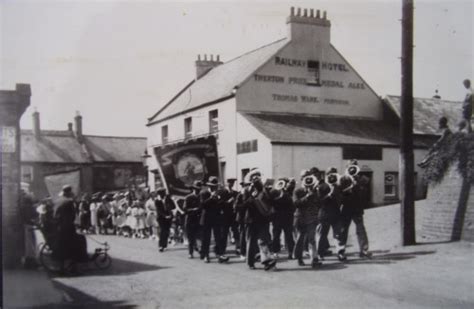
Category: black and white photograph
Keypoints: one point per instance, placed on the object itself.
(236, 154)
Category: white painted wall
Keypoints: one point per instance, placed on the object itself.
(290, 160)
(261, 159)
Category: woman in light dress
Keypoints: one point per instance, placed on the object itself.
(141, 218)
(151, 216)
(94, 206)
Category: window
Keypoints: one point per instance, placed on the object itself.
(188, 127)
(391, 185)
(213, 121)
(362, 152)
(247, 146)
(164, 134)
(27, 173)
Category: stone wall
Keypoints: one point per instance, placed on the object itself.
(451, 203)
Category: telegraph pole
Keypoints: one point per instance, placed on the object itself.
(407, 196)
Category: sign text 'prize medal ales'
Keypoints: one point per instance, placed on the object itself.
(183, 163)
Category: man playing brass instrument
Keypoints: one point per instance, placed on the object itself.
(257, 219)
(353, 199)
(283, 217)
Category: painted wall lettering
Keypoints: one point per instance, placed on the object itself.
(335, 101)
(332, 84)
(308, 99)
(290, 62)
(356, 86)
(285, 98)
(341, 67)
(269, 78)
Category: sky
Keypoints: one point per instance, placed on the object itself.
(118, 62)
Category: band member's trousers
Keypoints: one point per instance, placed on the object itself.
(215, 229)
(192, 232)
(306, 232)
(287, 228)
(243, 238)
(360, 230)
(165, 226)
(258, 238)
(323, 231)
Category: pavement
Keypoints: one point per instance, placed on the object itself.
(428, 275)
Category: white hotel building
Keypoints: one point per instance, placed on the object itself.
(290, 105)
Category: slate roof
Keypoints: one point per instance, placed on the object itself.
(220, 81)
(52, 147)
(427, 111)
(63, 147)
(115, 149)
(301, 129)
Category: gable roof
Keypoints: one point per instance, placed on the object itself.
(218, 83)
(63, 147)
(427, 111)
(52, 147)
(114, 148)
(304, 129)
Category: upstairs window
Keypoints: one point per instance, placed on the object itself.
(164, 134)
(213, 121)
(188, 127)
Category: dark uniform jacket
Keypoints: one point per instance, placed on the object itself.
(356, 199)
(192, 209)
(228, 213)
(330, 204)
(240, 206)
(253, 215)
(307, 209)
(284, 209)
(211, 206)
(164, 208)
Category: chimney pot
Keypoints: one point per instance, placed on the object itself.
(36, 124)
(69, 126)
(318, 14)
(199, 57)
(205, 57)
(305, 12)
(311, 13)
(218, 58)
(212, 57)
(292, 11)
(298, 12)
(78, 123)
(324, 15)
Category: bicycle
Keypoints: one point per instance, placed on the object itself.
(100, 258)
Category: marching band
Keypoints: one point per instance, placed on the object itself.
(256, 216)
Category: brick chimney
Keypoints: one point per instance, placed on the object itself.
(78, 124)
(36, 124)
(69, 126)
(205, 65)
(308, 24)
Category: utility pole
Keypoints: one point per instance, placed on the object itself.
(407, 196)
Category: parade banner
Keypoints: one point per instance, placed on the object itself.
(55, 182)
(185, 162)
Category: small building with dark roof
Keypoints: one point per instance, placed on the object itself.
(106, 163)
(291, 105)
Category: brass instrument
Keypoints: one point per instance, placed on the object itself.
(333, 178)
(280, 185)
(309, 181)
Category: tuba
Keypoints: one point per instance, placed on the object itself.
(280, 185)
(333, 178)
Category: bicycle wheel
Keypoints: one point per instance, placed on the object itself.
(103, 261)
(47, 260)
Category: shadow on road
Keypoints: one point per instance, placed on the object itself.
(386, 257)
(82, 300)
(119, 267)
